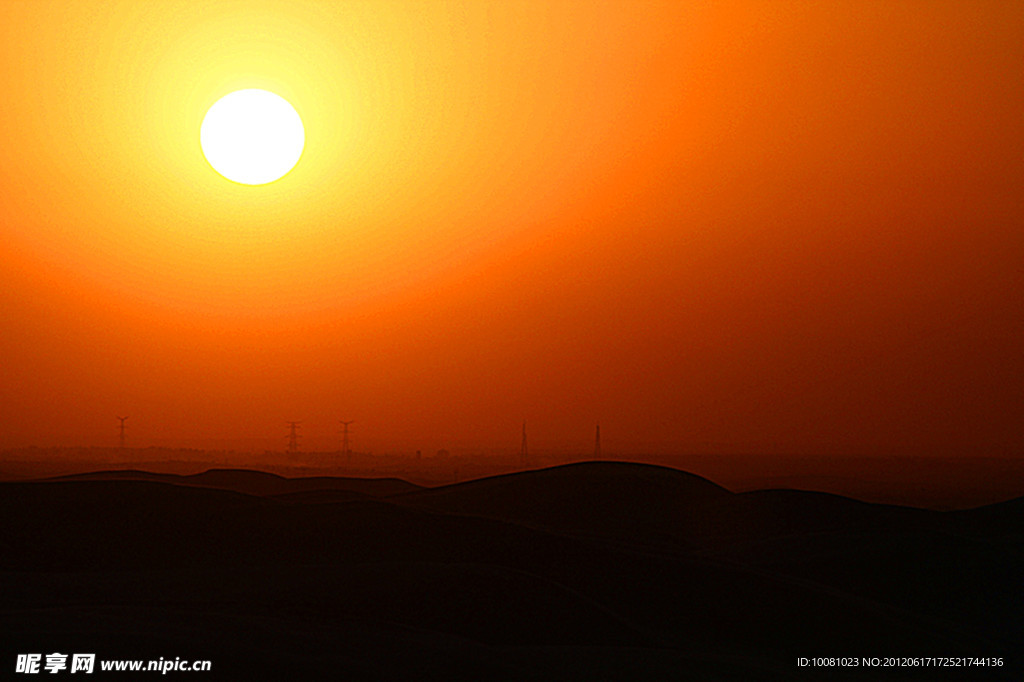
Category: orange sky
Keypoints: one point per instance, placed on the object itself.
(758, 226)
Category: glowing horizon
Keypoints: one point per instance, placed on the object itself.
(768, 225)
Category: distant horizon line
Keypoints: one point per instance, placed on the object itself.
(541, 452)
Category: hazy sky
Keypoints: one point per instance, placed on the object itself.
(761, 226)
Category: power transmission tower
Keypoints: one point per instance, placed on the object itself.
(293, 436)
(123, 420)
(523, 452)
(597, 443)
(344, 440)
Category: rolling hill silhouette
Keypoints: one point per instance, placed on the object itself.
(651, 506)
(594, 570)
(617, 501)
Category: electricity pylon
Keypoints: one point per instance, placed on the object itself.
(123, 420)
(293, 436)
(344, 439)
(523, 452)
(597, 443)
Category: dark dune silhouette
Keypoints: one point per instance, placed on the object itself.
(321, 496)
(635, 503)
(652, 506)
(594, 570)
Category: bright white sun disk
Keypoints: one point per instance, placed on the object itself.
(252, 136)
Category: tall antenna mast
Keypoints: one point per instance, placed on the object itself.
(293, 436)
(344, 439)
(121, 428)
(597, 443)
(523, 452)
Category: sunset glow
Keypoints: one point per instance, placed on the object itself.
(512, 339)
(756, 226)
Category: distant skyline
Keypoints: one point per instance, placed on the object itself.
(765, 227)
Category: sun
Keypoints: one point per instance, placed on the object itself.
(252, 136)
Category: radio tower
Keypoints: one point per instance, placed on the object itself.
(344, 440)
(123, 420)
(523, 453)
(293, 436)
(597, 443)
